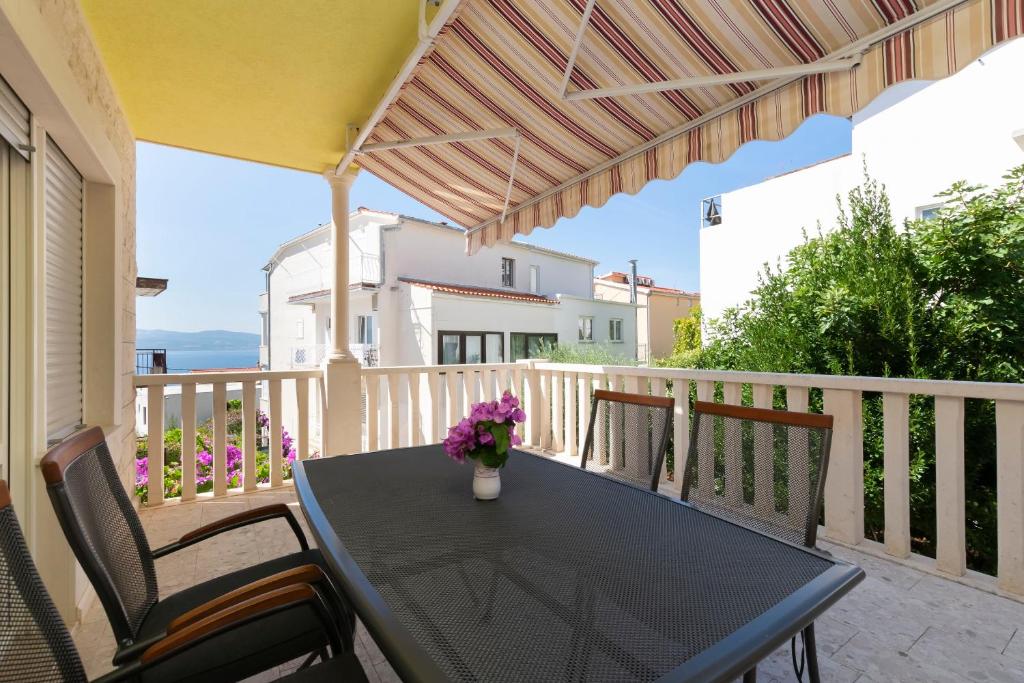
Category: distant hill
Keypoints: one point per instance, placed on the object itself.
(206, 340)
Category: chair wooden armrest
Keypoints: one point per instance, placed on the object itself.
(260, 514)
(237, 615)
(308, 573)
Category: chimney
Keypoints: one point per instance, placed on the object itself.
(632, 281)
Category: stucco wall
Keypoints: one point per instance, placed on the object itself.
(70, 31)
(663, 310)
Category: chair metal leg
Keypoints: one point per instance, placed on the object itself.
(811, 651)
(750, 676)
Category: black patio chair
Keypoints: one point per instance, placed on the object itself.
(36, 646)
(764, 469)
(628, 436)
(106, 535)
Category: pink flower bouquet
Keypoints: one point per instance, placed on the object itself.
(487, 433)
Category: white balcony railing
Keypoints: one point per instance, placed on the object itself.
(313, 355)
(307, 356)
(560, 394)
(407, 406)
(284, 392)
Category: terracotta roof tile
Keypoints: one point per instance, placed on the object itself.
(467, 290)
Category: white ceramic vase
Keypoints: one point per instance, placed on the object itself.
(486, 482)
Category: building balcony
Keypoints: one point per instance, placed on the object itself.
(313, 355)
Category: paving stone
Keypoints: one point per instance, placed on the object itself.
(949, 651)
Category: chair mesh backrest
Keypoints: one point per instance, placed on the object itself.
(627, 437)
(34, 642)
(107, 537)
(764, 469)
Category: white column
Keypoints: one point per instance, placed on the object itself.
(340, 187)
(342, 423)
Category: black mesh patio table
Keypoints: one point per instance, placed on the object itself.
(568, 576)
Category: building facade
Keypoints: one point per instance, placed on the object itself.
(657, 310)
(917, 138)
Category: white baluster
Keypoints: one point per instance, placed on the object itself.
(797, 401)
(249, 436)
(394, 416)
(680, 430)
(372, 412)
(276, 458)
(1010, 494)
(416, 418)
(188, 441)
(569, 381)
(764, 460)
(155, 446)
(220, 438)
(951, 543)
(732, 393)
(301, 430)
(557, 418)
(844, 486)
(896, 440)
(434, 387)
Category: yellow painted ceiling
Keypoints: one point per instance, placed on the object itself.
(274, 81)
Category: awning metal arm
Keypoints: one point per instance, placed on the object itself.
(511, 177)
(819, 67)
(571, 64)
(440, 139)
(460, 137)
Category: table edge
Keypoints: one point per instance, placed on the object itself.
(742, 650)
(409, 660)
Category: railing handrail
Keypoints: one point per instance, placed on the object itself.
(465, 367)
(223, 377)
(996, 391)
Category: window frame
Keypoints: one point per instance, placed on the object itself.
(581, 326)
(553, 336)
(921, 210)
(611, 329)
(462, 334)
(365, 323)
(534, 278)
(508, 272)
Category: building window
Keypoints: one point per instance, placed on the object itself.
(460, 348)
(364, 329)
(535, 279)
(586, 328)
(508, 272)
(927, 213)
(530, 345)
(615, 330)
(300, 329)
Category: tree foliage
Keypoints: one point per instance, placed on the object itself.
(941, 298)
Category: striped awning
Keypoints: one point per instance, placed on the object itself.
(499, 65)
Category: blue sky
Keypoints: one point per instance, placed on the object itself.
(209, 223)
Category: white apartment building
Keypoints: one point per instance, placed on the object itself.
(917, 138)
(418, 299)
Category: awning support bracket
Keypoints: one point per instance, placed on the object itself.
(795, 70)
(469, 136)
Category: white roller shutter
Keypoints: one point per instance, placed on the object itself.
(63, 295)
(14, 120)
